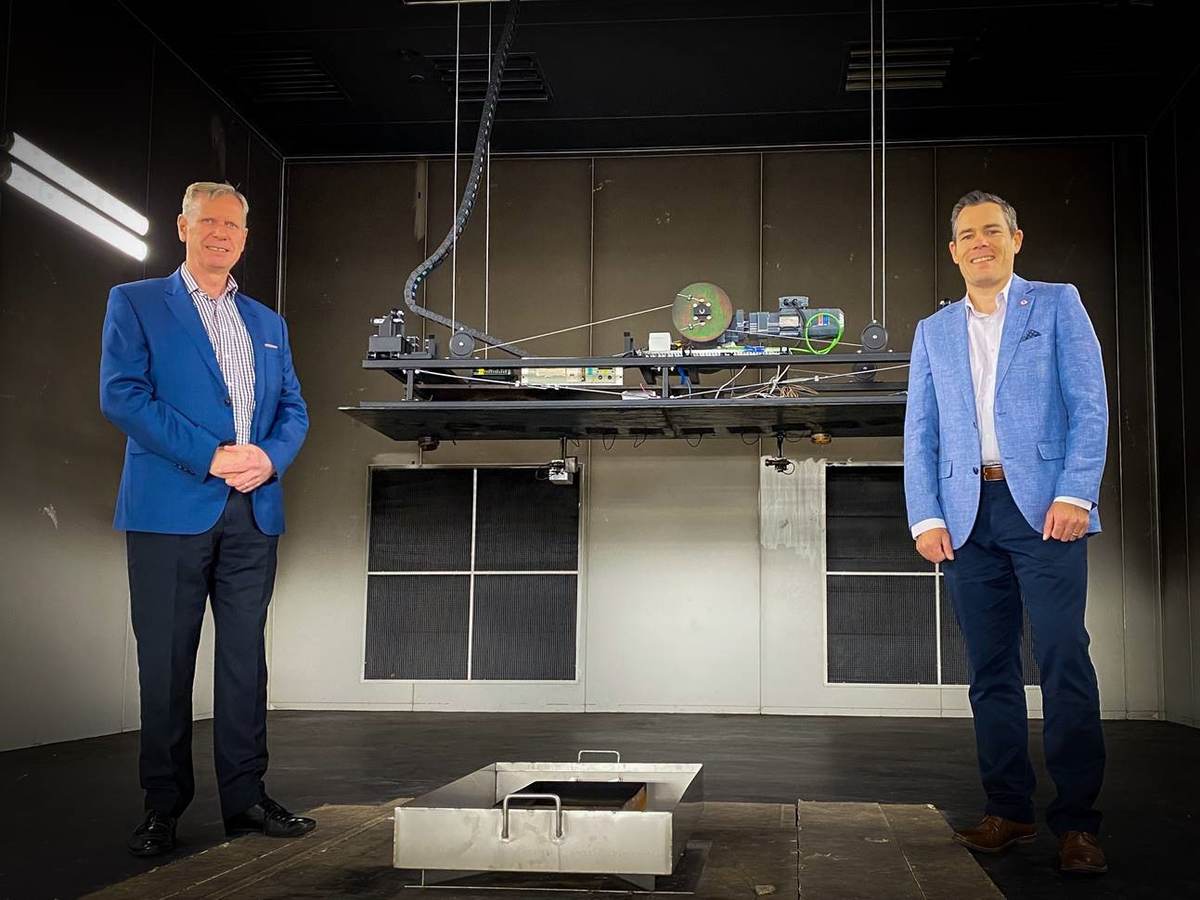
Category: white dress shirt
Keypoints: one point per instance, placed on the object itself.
(232, 346)
(984, 331)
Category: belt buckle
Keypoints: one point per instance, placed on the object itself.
(993, 473)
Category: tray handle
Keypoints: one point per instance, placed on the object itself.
(558, 812)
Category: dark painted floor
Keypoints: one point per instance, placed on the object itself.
(67, 809)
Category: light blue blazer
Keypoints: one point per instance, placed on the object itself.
(160, 384)
(1051, 410)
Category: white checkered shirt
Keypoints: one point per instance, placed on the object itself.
(232, 345)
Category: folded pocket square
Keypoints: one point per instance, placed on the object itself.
(1030, 334)
(276, 346)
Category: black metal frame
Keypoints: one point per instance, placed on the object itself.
(441, 402)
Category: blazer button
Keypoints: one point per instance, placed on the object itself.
(228, 402)
(974, 470)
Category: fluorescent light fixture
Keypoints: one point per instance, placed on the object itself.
(41, 161)
(29, 184)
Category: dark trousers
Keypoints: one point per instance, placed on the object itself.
(1003, 563)
(171, 576)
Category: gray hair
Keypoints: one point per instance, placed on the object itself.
(210, 189)
(975, 198)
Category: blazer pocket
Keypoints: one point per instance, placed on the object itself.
(1052, 449)
(945, 467)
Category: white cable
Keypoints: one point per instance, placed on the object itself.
(487, 205)
(454, 176)
(811, 379)
(883, 161)
(871, 153)
(735, 377)
(534, 337)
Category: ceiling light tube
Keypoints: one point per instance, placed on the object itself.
(41, 161)
(29, 184)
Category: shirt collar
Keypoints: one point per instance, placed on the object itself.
(1001, 300)
(231, 284)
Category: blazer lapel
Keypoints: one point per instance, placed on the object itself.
(179, 301)
(1016, 317)
(959, 348)
(257, 339)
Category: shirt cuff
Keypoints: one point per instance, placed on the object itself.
(1075, 501)
(927, 525)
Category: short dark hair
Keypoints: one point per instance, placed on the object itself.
(974, 198)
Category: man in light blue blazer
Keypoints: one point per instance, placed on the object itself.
(1005, 437)
(199, 377)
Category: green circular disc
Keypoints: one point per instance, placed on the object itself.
(702, 312)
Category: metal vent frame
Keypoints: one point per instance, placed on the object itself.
(270, 75)
(911, 65)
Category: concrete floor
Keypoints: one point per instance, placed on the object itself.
(71, 806)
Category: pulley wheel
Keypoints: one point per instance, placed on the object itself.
(874, 337)
(702, 312)
(462, 344)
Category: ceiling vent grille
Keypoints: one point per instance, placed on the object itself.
(916, 65)
(523, 78)
(281, 76)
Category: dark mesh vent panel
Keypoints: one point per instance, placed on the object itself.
(954, 649)
(866, 522)
(422, 627)
(417, 626)
(524, 627)
(881, 629)
(523, 523)
(420, 520)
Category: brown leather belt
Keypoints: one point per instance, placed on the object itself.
(993, 473)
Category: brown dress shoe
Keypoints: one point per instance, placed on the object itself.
(994, 834)
(1079, 853)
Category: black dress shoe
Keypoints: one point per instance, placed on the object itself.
(155, 836)
(269, 818)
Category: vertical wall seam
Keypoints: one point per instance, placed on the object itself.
(758, 443)
(1152, 404)
(281, 242)
(591, 288)
(1116, 276)
(1187, 565)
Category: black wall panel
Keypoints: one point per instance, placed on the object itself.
(881, 629)
(421, 520)
(417, 626)
(866, 523)
(525, 522)
(512, 626)
(524, 627)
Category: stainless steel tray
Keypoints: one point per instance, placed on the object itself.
(475, 824)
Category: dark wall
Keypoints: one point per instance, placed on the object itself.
(578, 239)
(1174, 188)
(94, 89)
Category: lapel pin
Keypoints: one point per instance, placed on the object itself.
(1024, 301)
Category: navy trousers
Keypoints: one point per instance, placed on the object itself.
(171, 576)
(1003, 563)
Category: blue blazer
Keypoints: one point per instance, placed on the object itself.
(1051, 410)
(160, 384)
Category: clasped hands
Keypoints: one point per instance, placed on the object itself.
(1064, 522)
(243, 466)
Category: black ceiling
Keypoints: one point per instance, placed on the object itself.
(367, 76)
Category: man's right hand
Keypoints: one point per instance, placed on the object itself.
(226, 462)
(934, 545)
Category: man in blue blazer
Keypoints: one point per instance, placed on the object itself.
(199, 377)
(1004, 444)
